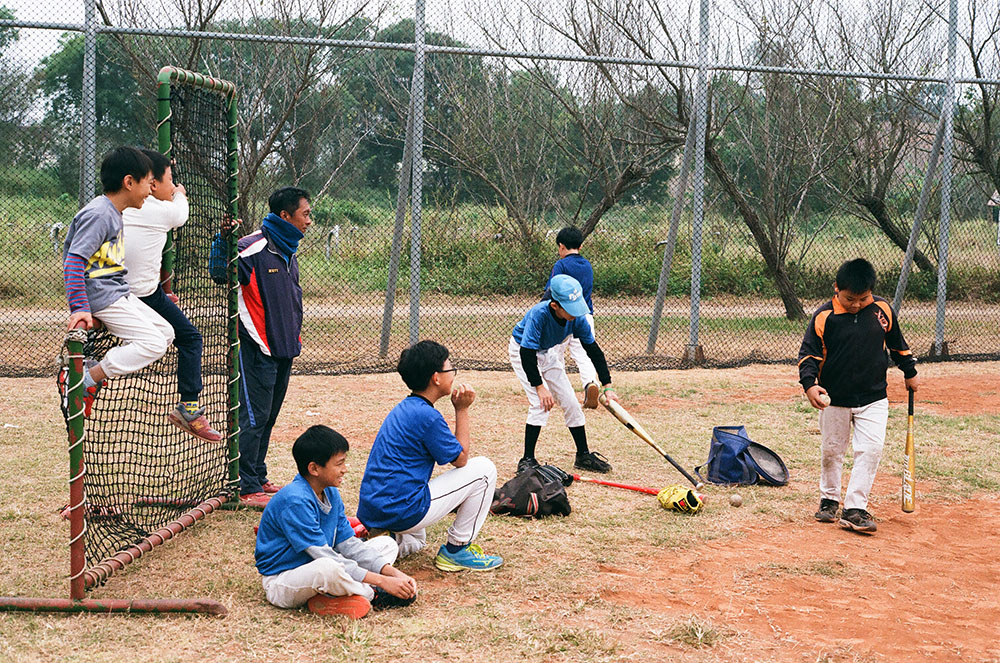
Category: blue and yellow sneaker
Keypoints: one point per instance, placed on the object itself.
(469, 558)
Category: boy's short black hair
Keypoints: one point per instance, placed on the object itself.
(570, 237)
(286, 199)
(160, 163)
(857, 276)
(317, 445)
(419, 362)
(120, 162)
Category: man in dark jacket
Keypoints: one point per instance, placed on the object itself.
(270, 306)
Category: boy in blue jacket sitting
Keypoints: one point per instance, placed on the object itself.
(306, 549)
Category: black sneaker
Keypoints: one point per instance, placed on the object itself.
(592, 462)
(827, 511)
(526, 464)
(384, 600)
(858, 520)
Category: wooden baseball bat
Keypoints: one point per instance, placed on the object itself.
(640, 489)
(909, 483)
(622, 415)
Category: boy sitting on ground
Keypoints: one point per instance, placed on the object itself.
(397, 492)
(306, 549)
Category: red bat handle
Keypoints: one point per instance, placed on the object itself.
(640, 489)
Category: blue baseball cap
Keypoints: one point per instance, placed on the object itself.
(568, 293)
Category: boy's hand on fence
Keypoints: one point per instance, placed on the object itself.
(229, 225)
(817, 396)
(78, 317)
(545, 397)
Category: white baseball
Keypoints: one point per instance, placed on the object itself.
(735, 500)
(824, 399)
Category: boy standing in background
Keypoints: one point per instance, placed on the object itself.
(569, 240)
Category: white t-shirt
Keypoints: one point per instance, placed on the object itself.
(145, 234)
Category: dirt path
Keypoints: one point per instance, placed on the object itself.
(925, 588)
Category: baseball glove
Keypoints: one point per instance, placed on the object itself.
(679, 498)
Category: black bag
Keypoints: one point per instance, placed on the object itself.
(534, 493)
(735, 459)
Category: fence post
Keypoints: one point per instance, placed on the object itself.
(88, 104)
(947, 109)
(693, 352)
(416, 192)
(918, 220)
(405, 176)
(668, 250)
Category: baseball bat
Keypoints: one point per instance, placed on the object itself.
(909, 484)
(640, 489)
(622, 415)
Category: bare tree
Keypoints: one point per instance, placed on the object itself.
(284, 91)
(881, 128)
(977, 123)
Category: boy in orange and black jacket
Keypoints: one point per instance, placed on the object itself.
(842, 367)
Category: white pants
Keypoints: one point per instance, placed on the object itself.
(588, 373)
(552, 367)
(470, 490)
(869, 437)
(145, 336)
(292, 588)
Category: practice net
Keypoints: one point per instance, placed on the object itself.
(141, 472)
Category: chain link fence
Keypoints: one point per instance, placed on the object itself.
(745, 148)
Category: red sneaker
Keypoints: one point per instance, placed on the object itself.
(270, 487)
(353, 606)
(195, 424)
(89, 393)
(255, 500)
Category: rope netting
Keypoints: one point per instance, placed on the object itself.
(141, 471)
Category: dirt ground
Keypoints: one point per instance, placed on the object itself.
(618, 580)
(925, 588)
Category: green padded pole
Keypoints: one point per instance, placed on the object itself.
(232, 167)
(165, 146)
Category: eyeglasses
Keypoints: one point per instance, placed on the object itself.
(449, 370)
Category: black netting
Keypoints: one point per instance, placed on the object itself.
(141, 471)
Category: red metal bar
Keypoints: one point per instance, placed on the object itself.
(648, 491)
(99, 573)
(204, 606)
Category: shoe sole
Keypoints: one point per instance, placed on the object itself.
(847, 524)
(354, 607)
(449, 566)
(591, 396)
(593, 469)
(172, 419)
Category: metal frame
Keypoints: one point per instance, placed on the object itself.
(167, 77)
(411, 176)
(82, 578)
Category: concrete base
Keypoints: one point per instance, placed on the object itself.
(694, 354)
(933, 352)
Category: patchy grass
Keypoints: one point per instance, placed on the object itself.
(571, 589)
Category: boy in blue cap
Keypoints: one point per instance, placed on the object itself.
(535, 351)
